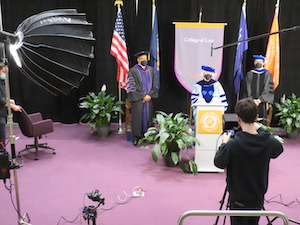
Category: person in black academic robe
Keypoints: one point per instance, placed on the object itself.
(140, 91)
(258, 85)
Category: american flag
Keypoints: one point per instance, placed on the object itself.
(119, 50)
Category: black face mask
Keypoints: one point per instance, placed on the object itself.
(144, 63)
(207, 76)
(258, 65)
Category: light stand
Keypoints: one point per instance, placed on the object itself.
(7, 39)
(12, 139)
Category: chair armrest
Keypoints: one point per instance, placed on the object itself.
(42, 127)
(35, 117)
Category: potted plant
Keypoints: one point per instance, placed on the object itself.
(271, 130)
(289, 115)
(171, 135)
(102, 108)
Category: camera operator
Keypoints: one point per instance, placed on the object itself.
(4, 105)
(246, 158)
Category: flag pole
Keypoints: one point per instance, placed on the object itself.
(119, 3)
(200, 15)
(136, 7)
(153, 5)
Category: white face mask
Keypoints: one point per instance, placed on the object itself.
(2, 76)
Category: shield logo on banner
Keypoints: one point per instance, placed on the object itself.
(193, 48)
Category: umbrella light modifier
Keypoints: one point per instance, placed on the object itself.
(55, 49)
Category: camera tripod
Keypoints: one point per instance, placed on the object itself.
(222, 201)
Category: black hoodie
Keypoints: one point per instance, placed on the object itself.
(246, 158)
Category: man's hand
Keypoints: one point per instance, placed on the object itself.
(147, 98)
(226, 137)
(12, 101)
(257, 101)
(16, 108)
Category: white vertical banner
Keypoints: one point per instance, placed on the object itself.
(193, 48)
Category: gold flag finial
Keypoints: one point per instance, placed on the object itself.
(153, 2)
(119, 3)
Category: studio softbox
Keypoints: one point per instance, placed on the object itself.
(55, 49)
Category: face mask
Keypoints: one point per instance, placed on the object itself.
(258, 65)
(144, 63)
(207, 76)
(2, 76)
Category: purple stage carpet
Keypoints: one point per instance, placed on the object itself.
(55, 185)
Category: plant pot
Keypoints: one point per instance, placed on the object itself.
(293, 135)
(103, 131)
(168, 158)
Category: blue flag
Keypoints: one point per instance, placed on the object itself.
(154, 48)
(241, 48)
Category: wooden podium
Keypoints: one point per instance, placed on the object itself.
(208, 128)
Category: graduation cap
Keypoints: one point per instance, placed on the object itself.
(136, 55)
(259, 57)
(208, 69)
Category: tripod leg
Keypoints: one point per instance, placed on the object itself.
(268, 219)
(221, 204)
(227, 207)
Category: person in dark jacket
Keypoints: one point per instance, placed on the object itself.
(4, 105)
(246, 158)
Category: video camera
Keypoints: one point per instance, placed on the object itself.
(232, 131)
(95, 196)
(90, 212)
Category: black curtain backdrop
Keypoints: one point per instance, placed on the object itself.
(172, 97)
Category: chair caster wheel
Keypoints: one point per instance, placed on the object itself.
(19, 156)
(36, 158)
(54, 153)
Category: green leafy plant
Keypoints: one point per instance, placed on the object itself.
(172, 130)
(271, 130)
(289, 113)
(102, 108)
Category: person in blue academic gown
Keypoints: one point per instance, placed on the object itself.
(140, 92)
(208, 90)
